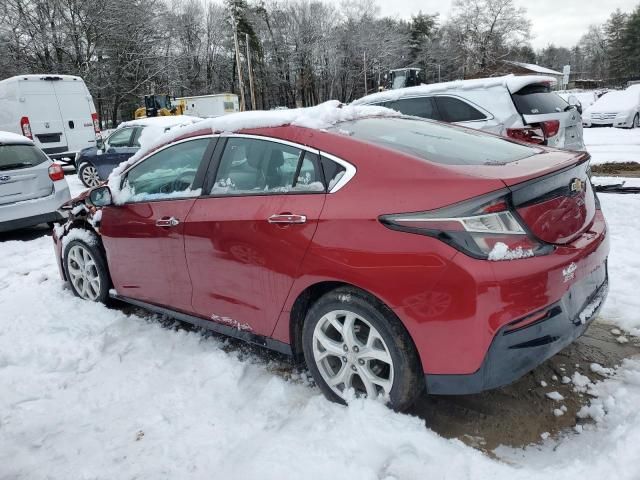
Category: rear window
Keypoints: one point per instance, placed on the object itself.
(20, 156)
(436, 142)
(538, 100)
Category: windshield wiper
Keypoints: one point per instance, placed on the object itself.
(11, 166)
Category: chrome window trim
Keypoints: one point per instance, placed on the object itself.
(350, 170)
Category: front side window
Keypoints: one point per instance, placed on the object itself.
(253, 166)
(455, 110)
(120, 138)
(170, 173)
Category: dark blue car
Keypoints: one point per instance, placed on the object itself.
(94, 164)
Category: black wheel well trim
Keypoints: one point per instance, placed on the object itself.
(310, 295)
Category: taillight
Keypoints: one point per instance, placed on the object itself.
(55, 172)
(25, 126)
(550, 128)
(485, 228)
(537, 133)
(96, 124)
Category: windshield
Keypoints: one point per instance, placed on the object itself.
(20, 156)
(436, 142)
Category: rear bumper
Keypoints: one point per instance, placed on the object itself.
(35, 211)
(515, 351)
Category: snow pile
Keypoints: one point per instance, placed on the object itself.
(319, 117)
(501, 251)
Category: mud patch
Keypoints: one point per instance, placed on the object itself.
(521, 413)
(626, 169)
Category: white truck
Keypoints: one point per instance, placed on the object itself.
(210, 105)
(55, 111)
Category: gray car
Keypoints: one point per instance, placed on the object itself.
(32, 187)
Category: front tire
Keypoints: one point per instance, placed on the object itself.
(86, 271)
(636, 121)
(88, 175)
(353, 341)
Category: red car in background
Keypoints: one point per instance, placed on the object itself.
(391, 253)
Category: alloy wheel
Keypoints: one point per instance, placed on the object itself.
(351, 354)
(83, 272)
(89, 176)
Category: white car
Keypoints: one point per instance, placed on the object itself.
(55, 111)
(32, 187)
(520, 107)
(615, 109)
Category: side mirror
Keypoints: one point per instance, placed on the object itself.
(100, 143)
(101, 196)
(574, 102)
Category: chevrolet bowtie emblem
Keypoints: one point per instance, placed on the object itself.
(576, 185)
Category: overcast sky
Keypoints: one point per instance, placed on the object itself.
(561, 22)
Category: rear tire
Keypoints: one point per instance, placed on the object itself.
(353, 341)
(86, 271)
(636, 121)
(88, 175)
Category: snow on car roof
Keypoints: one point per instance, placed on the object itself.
(167, 121)
(513, 82)
(535, 68)
(319, 117)
(14, 139)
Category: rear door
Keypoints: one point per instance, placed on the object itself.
(24, 174)
(76, 108)
(40, 106)
(143, 237)
(246, 239)
(537, 104)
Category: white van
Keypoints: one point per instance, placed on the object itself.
(204, 106)
(55, 111)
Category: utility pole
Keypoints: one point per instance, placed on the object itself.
(253, 95)
(364, 60)
(243, 105)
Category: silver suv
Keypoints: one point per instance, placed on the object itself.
(520, 107)
(32, 187)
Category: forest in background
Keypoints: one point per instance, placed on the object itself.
(302, 52)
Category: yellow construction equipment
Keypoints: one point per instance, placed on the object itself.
(159, 106)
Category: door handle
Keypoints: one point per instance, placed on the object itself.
(167, 222)
(287, 218)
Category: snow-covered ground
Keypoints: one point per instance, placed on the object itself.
(616, 145)
(93, 393)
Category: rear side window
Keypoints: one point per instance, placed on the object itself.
(20, 156)
(436, 142)
(417, 107)
(455, 110)
(538, 100)
(333, 172)
(258, 167)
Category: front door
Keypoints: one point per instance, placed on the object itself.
(143, 237)
(245, 242)
(117, 149)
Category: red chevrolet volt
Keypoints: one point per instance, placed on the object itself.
(392, 254)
